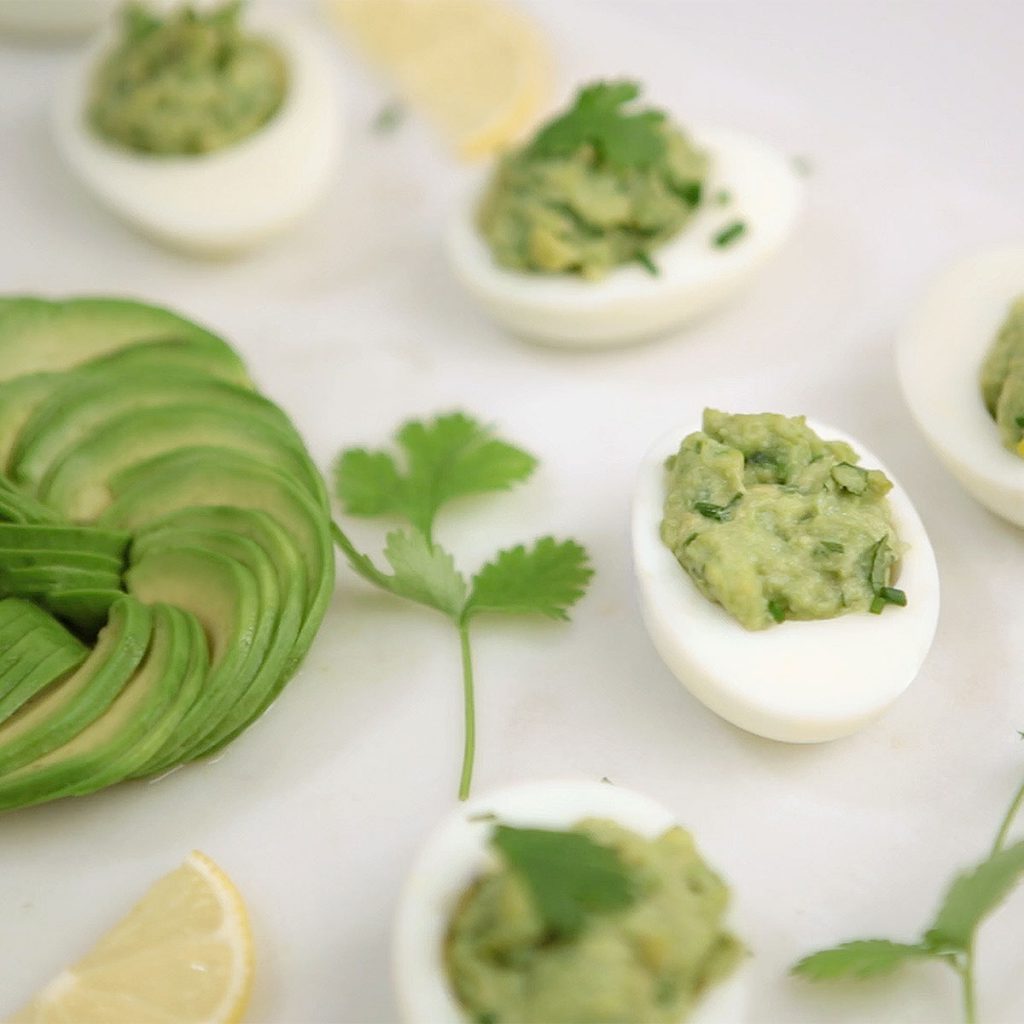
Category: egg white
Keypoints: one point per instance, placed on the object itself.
(222, 202)
(457, 853)
(799, 681)
(630, 304)
(939, 357)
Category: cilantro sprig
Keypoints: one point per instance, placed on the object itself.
(970, 899)
(568, 875)
(621, 138)
(450, 457)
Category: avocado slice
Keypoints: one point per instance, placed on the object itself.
(45, 558)
(18, 507)
(19, 398)
(44, 537)
(37, 581)
(224, 596)
(83, 483)
(89, 401)
(255, 540)
(148, 708)
(173, 354)
(41, 335)
(84, 609)
(200, 478)
(68, 705)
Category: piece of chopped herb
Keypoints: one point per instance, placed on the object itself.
(645, 261)
(893, 595)
(730, 233)
(720, 513)
(833, 546)
(777, 609)
(1019, 420)
(690, 192)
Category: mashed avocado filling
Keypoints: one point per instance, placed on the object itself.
(773, 523)
(188, 83)
(1002, 379)
(597, 187)
(641, 963)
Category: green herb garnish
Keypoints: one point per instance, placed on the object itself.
(719, 513)
(645, 261)
(950, 940)
(833, 546)
(389, 118)
(568, 874)
(599, 118)
(446, 458)
(730, 233)
(777, 610)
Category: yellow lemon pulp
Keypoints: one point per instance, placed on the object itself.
(182, 955)
(480, 70)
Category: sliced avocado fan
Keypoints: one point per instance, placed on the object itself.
(165, 551)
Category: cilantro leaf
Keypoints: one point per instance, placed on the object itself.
(568, 874)
(973, 896)
(449, 457)
(424, 572)
(864, 958)
(548, 579)
(598, 119)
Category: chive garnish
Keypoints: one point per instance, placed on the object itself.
(893, 595)
(833, 545)
(777, 610)
(690, 192)
(720, 513)
(730, 233)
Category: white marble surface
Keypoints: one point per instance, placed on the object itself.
(910, 116)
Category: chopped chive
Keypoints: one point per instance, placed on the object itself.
(777, 610)
(720, 513)
(689, 540)
(645, 261)
(730, 233)
(388, 118)
(690, 192)
(893, 595)
(833, 545)
(877, 604)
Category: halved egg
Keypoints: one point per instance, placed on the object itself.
(458, 853)
(939, 357)
(695, 274)
(225, 201)
(798, 681)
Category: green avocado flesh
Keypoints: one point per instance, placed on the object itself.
(773, 523)
(165, 553)
(1002, 379)
(645, 963)
(570, 202)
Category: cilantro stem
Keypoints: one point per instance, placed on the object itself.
(469, 703)
(966, 972)
(1007, 822)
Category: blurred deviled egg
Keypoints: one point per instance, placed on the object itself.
(210, 128)
(559, 902)
(612, 224)
(961, 367)
(791, 589)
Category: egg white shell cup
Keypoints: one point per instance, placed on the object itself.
(217, 203)
(457, 853)
(799, 681)
(939, 357)
(630, 304)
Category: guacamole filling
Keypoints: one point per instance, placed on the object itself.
(191, 82)
(646, 959)
(599, 186)
(773, 523)
(1002, 379)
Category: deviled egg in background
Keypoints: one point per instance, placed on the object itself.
(743, 202)
(797, 681)
(939, 357)
(458, 854)
(231, 198)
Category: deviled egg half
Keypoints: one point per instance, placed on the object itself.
(802, 534)
(613, 225)
(960, 362)
(210, 128)
(469, 918)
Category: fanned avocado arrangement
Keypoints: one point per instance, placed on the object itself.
(165, 554)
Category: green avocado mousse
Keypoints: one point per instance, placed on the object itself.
(599, 186)
(772, 522)
(191, 82)
(563, 902)
(1002, 379)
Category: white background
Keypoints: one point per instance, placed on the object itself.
(910, 114)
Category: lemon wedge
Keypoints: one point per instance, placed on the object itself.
(479, 70)
(183, 955)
